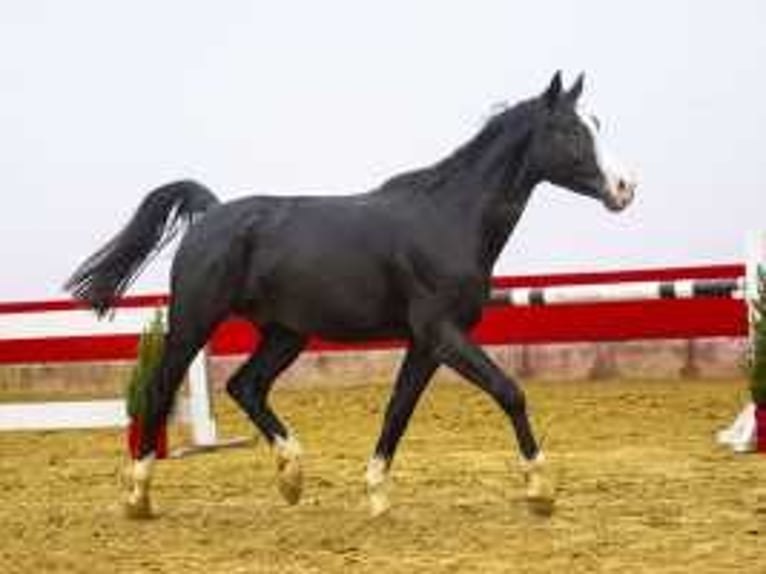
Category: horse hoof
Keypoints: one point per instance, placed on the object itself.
(540, 496)
(379, 504)
(540, 492)
(541, 505)
(290, 480)
(138, 509)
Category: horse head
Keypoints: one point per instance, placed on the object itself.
(566, 149)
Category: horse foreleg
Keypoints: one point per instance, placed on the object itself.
(414, 374)
(457, 351)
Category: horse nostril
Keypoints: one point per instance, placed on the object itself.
(622, 192)
(626, 187)
(622, 185)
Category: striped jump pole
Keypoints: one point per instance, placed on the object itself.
(616, 292)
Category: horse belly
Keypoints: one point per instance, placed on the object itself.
(347, 303)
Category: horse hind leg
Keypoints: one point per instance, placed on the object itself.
(186, 335)
(250, 387)
(162, 389)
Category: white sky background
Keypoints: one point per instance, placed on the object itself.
(102, 101)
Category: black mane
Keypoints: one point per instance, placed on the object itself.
(502, 130)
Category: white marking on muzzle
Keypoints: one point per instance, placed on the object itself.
(620, 184)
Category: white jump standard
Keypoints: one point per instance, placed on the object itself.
(195, 409)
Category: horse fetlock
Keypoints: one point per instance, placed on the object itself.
(289, 470)
(540, 492)
(377, 486)
(138, 504)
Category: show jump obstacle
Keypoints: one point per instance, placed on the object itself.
(741, 435)
(63, 332)
(685, 302)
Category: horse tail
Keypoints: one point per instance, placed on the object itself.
(165, 212)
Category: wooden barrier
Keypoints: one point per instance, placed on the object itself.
(586, 310)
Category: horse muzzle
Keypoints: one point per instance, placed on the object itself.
(620, 192)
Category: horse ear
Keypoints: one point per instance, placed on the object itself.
(553, 91)
(576, 90)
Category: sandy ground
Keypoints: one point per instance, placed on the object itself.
(641, 485)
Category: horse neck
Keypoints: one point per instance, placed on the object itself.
(497, 220)
(486, 199)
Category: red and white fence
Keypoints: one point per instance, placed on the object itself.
(62, 331)
(529, 309)
(590, 308)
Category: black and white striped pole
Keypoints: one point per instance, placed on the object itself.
(604, 365)
(616, 292)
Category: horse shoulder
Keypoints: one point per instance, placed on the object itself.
(441, 285)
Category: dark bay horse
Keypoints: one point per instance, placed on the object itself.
(411, 260)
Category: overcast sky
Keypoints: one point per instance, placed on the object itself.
(102, 101)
